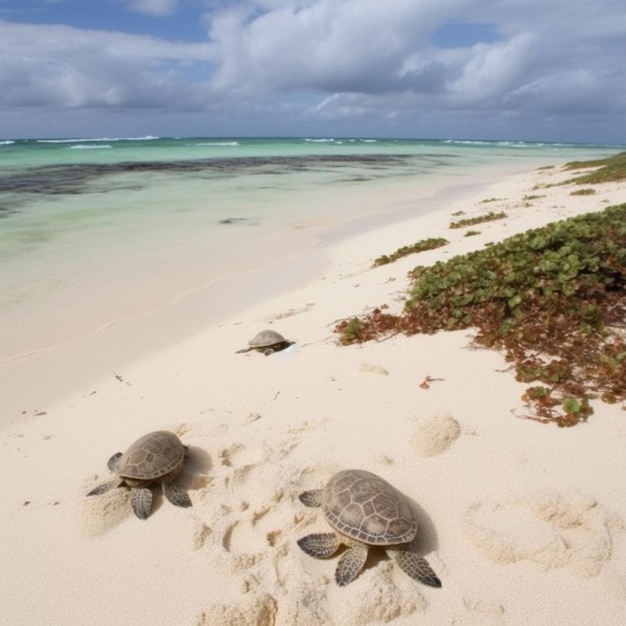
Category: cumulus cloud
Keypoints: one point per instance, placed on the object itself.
(368, 47)
(63, 66)
(326, 45)
(492, 70)
(323, 60)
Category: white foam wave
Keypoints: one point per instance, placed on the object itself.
(469, 142)
(339, 141)
(83, 146)
(507, 144)
(6, 142)
(218, 143)
(97, 139)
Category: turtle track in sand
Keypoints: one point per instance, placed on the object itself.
(250, 533)
(553, 530)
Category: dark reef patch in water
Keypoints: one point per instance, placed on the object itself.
(72, 179)
(233, 220)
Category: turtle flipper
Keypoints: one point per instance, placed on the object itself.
(320, 545)
(415, 566)
(311, 498)
(112, 462)
(104, 487)
(350, 564)
(141, 501)
(176, 495)
(277, 347)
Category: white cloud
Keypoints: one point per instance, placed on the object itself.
(492, 70)
(63, 66)
(370, 48)
(317, 61)
(328, 45)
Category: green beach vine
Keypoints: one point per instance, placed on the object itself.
(553, 299)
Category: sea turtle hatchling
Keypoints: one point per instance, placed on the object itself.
(157, 457)
(267, 342)
(365, 510)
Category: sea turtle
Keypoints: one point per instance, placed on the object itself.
(267, 342)
(365, 510)
(157, 457)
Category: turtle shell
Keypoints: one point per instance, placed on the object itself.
(363, 506)
(266, 338)
(153, 456)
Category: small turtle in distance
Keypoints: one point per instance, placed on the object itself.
(365, 511)
(267, 342)
(157, 457)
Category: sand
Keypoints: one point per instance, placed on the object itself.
(523, 523)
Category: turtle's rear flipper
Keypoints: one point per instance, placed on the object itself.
(415, 566)
(104, 487)
(176, 495)
(141, 501)
(350, 564)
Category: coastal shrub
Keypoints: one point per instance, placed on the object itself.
(553, 299)
(610, 169)
(420, 246)
(490, 200)
(352, 330)
(479, 219)
(587, 191)
(471, 233)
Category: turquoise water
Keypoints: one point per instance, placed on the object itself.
(92, 230)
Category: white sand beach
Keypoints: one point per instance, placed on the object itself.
(523, 523)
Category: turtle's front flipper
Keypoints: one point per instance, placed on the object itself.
(176, 495)
(415, 566)
(320, 545)
(141, 501)
(113, 461)
(350, 564)
(104, 487)
(278, 347)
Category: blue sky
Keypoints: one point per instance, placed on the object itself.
(544, 70)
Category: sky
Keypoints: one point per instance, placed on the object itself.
(534, 70)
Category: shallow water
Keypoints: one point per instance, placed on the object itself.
(92, 231)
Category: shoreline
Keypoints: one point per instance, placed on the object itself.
(93, 285)
(523, 523)
(291, 265)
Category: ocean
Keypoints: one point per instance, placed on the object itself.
(96, 230)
